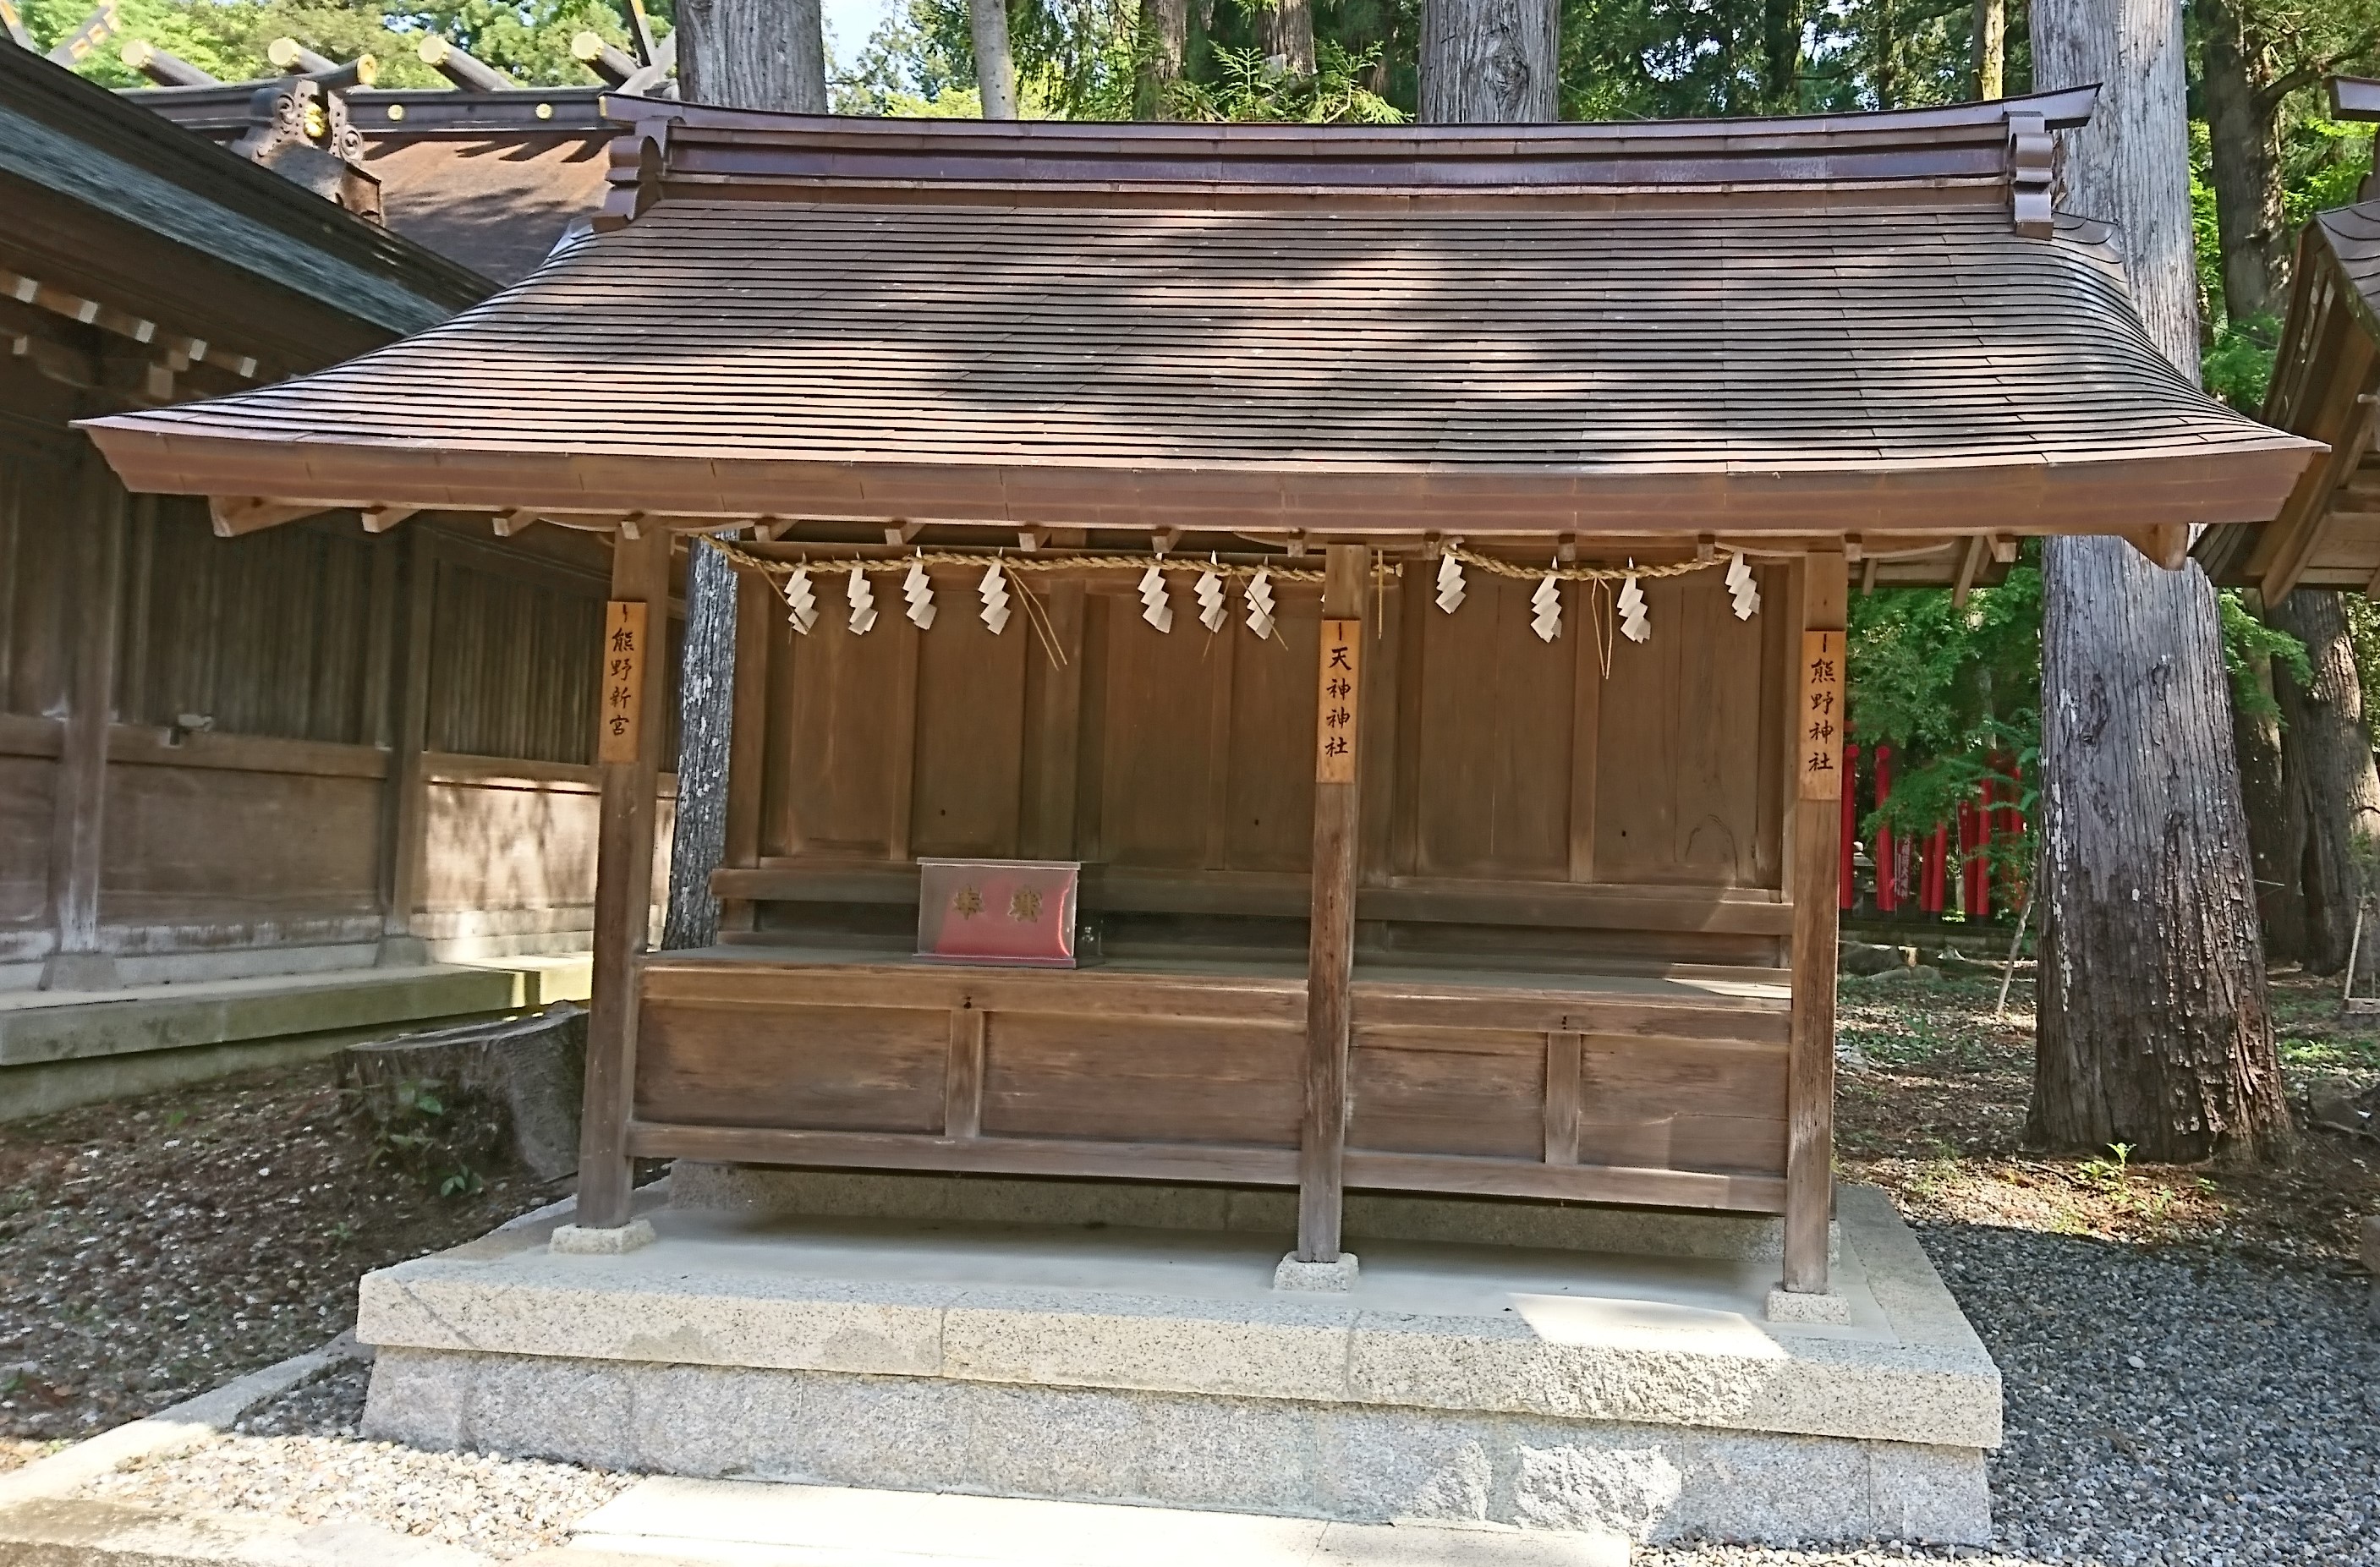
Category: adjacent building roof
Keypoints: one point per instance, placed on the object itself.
(2325, 375)
(105, 202)
(492, 180)
(1861, 324)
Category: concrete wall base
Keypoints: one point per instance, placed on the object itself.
(1287, 1458)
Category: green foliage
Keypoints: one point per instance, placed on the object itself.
(2237, 363)
(1954, 689)
(2249, 648)
(440, 1136)
(1253, 89)
(530, 41)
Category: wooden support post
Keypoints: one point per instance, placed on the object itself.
(1331, 951)
(632, 724)
(406, 813)
(81, 787)
(1814, 868)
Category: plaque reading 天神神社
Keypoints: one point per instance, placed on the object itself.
(1821, 745)
(620, 734)
(1334, 724)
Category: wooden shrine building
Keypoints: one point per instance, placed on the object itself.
(1405, 568)
(317, 748)
(2325, 379)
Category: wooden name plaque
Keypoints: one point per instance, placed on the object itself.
(1821, 747)
(621, 734)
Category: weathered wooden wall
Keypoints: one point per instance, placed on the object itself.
(318, 738)
(1517, 801)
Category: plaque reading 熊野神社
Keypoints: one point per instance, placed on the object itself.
(1821, 744)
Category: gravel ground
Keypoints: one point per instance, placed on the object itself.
(2164, 1409)
(298, 1457)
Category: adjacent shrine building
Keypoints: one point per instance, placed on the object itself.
(1405, 568)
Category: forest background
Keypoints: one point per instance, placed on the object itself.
(1953, 687)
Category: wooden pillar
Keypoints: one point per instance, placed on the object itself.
(1817, 784)
(1330, 950)
(405, 807)
(97, 522)
(635, 689)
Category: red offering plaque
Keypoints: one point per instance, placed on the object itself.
(1013, 912)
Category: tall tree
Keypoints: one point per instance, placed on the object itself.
(1165, 43)
(752, 54)
(2276, 811)
(741, 54)
(1490, 62)
(2242, 96)
(2155, 1028)
(1991, 48)
(1285, 33)
(2328, 767)
(995, 68)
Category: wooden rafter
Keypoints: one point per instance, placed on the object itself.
(235, 516)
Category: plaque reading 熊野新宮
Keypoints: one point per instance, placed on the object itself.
(621, 730)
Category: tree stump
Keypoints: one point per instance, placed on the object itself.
(508, 1090)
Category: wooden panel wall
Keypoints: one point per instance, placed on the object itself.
(270, 821)
(191, 846)
(1502, 759)
(34, 478)
(511, 673)
(268, 634)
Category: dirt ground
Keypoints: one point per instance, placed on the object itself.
(153, 1248)
(1937, 1116)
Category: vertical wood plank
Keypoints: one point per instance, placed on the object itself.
(1090, 737)
(623, 893)
(99, 520)
(1415, 608)
(1384, 741)
(1331, 955)
(1564, 1052)
(1052, 756)
(405, 804)
(1586, 726)
(1810, 1071)
(1222, 652)
(962, 1083)
(748, 736)
(901, 795)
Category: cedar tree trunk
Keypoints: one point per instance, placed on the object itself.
(2275, 823)
(1780, 56)
(742, 54)
(1490, 62)
(1165, 44)
(752, 54)
(2329, 765)
(995, 68)
(1285, 33)
(2244, 139)
(705, 720)
(2156, 1030)
(1991, 48)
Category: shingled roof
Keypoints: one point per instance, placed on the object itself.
(2326, 370)
(1840, 324)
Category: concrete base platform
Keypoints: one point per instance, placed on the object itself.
(714, 1523)
(59, 1048)
(1497, 1385)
